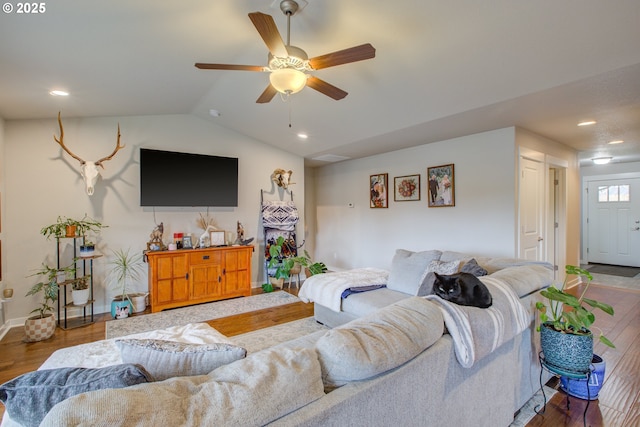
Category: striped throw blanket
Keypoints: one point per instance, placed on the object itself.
(326, 289)
(476, 332)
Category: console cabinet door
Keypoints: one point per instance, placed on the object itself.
(237, 265)
(171, 284)
(206, 281)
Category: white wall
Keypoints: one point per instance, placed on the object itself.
(482, 221)
(42, 182)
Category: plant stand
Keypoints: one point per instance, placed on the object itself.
(561, 372)
(64, 300)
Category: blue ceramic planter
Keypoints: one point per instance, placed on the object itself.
(580, 388)
(566, 352)
(121, 309)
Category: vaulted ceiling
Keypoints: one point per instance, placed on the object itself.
(442, 69)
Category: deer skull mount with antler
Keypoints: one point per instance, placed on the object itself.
(88, 170)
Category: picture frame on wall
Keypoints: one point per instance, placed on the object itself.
(378, 193)
(441, 186)
(216, 238)
(406, 188)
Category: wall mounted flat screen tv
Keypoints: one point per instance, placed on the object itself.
(169, 178)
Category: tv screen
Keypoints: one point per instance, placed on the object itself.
(169, 178)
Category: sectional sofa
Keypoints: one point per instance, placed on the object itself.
(398, 364)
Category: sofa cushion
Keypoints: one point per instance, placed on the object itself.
(379, 341)
(166, 359)
(409, 269)
(368, 302)
(526, 279)
(249, 392)
(29, 397)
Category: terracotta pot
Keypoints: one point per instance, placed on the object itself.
(70, 231)
(296, 269)
(39, 328)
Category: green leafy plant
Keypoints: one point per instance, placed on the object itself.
(569, 314)
(83, 226)
(267, 287)
(49, 289)
(284, 264)
(80, 283)
(125, 269)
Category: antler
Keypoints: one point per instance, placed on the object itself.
(61, 142)
(118, 147)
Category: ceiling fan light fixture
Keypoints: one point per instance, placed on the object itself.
(288, 80)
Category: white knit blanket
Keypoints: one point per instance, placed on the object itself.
(326, 289)
(476, 332)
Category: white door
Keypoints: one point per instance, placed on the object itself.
(613, 221)
(531, 210)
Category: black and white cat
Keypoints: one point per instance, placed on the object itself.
(462, 289)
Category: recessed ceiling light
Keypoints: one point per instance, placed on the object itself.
(619, 141)
(303, 136)
(58, 92)
(601, 160)
(587, 123)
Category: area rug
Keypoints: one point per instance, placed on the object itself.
(528, 411)
(196, 313)
(268, 337)
(613, 270)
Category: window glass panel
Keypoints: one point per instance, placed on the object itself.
(624, 193)
(613, 193)
(603, 194)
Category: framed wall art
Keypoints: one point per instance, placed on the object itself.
(441, 186)
(406, 188)
(378, 195)
(216, 238)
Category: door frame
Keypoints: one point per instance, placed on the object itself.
(554, 221)
(585, 206)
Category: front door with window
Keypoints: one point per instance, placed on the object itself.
(613, 222)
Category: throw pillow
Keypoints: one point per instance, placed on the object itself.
(409, 269)
(472, 267)
(29, 397)
(250, 392)
(440, 267)
(166, 359)
(378, 342)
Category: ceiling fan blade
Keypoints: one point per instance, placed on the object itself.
(203, 66)
(353, 54)
(325, 88)
(267, 95)
(266, 26)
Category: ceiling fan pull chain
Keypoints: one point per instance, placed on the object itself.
(289, 102)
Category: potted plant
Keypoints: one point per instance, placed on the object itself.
(125, 269)
(80, 290)
(566, 325)
(43, 325)
(282, 263)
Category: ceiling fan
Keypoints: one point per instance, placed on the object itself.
(289, 66)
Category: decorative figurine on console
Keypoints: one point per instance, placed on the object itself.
(240, 240)
(155, 244)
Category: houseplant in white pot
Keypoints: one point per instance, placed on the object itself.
(80, 290)
(126, 268)
(43, 325)
(566, 326)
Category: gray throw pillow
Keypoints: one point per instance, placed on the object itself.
(472, 267)
(29, 397)
(409, 270)
(166, 359)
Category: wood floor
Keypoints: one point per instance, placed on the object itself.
(618, 405)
